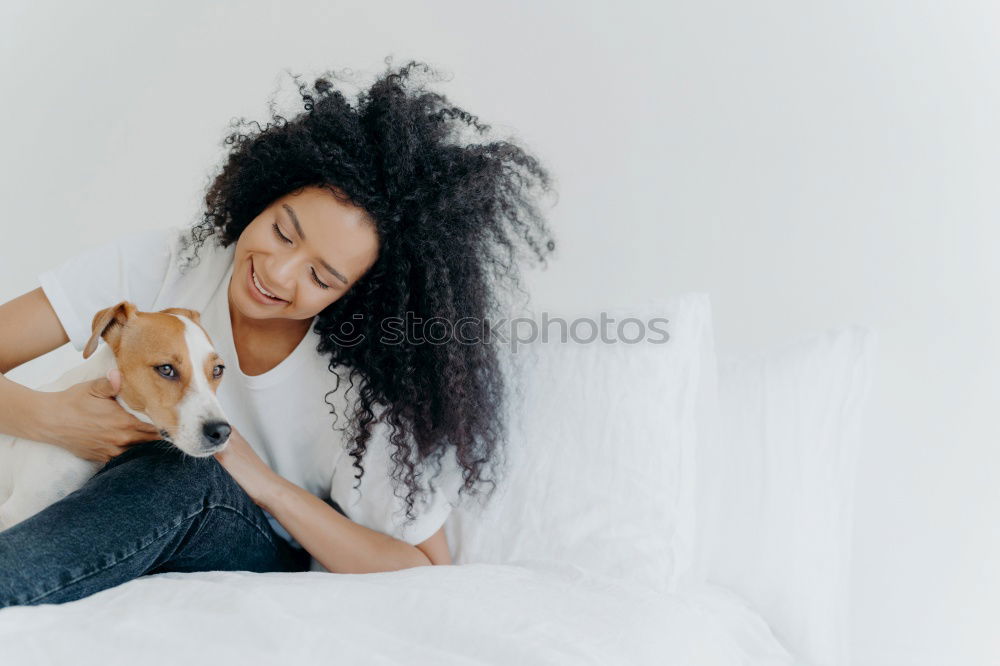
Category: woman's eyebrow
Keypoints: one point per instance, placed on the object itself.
(298, 229)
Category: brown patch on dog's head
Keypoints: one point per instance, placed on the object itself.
(193, 315)
(156, 367)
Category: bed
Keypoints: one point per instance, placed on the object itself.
(661, 506)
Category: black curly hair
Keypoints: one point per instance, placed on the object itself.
(452, 219)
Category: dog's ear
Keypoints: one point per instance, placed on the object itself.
(193, 315)
(108, 324)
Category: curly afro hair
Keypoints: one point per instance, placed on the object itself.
(453, 221)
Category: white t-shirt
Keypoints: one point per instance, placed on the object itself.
(284, 413)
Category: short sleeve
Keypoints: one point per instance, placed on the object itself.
(130, 268)
(375, 505)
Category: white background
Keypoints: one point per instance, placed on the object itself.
(807, 164)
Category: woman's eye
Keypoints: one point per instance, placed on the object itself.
(285, 239)
(167, 371)
(218, 371)
(316, 280)
(281, 235)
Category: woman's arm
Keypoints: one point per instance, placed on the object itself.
(340, 544)
(29, 328)
(337, 542)
(19, 409)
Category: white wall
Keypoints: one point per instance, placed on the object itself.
(806, 163)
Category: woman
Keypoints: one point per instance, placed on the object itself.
(334, 237)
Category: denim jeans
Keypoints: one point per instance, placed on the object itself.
(149, 510)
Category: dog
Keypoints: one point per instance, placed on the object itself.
(170, 373)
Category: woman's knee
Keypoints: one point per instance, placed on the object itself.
(165, 466)
(203, 489)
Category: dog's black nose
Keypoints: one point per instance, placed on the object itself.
(216, 432)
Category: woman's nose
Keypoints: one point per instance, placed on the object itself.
(283, 276)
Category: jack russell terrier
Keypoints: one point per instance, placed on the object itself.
(170, 372)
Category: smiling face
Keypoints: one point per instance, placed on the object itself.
(306, 249)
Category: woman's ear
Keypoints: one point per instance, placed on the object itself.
(108, 324)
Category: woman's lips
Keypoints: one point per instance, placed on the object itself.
(255, 293)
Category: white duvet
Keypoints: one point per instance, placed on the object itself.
(529, 612)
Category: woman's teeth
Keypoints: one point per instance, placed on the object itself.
(262, 290)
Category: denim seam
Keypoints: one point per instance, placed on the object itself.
(155, 539)
(266, 533)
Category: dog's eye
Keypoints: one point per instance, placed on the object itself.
(166, 371)
(218, 371)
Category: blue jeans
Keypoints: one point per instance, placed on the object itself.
(149, 510)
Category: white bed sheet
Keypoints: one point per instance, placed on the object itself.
(528, 612)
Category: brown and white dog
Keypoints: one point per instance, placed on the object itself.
(170, 373)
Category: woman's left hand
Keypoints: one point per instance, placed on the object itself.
(247, 468)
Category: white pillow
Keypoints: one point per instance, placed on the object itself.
(775, 491)
(601, 451)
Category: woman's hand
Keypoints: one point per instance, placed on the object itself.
(247, 468)
(87, 421)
